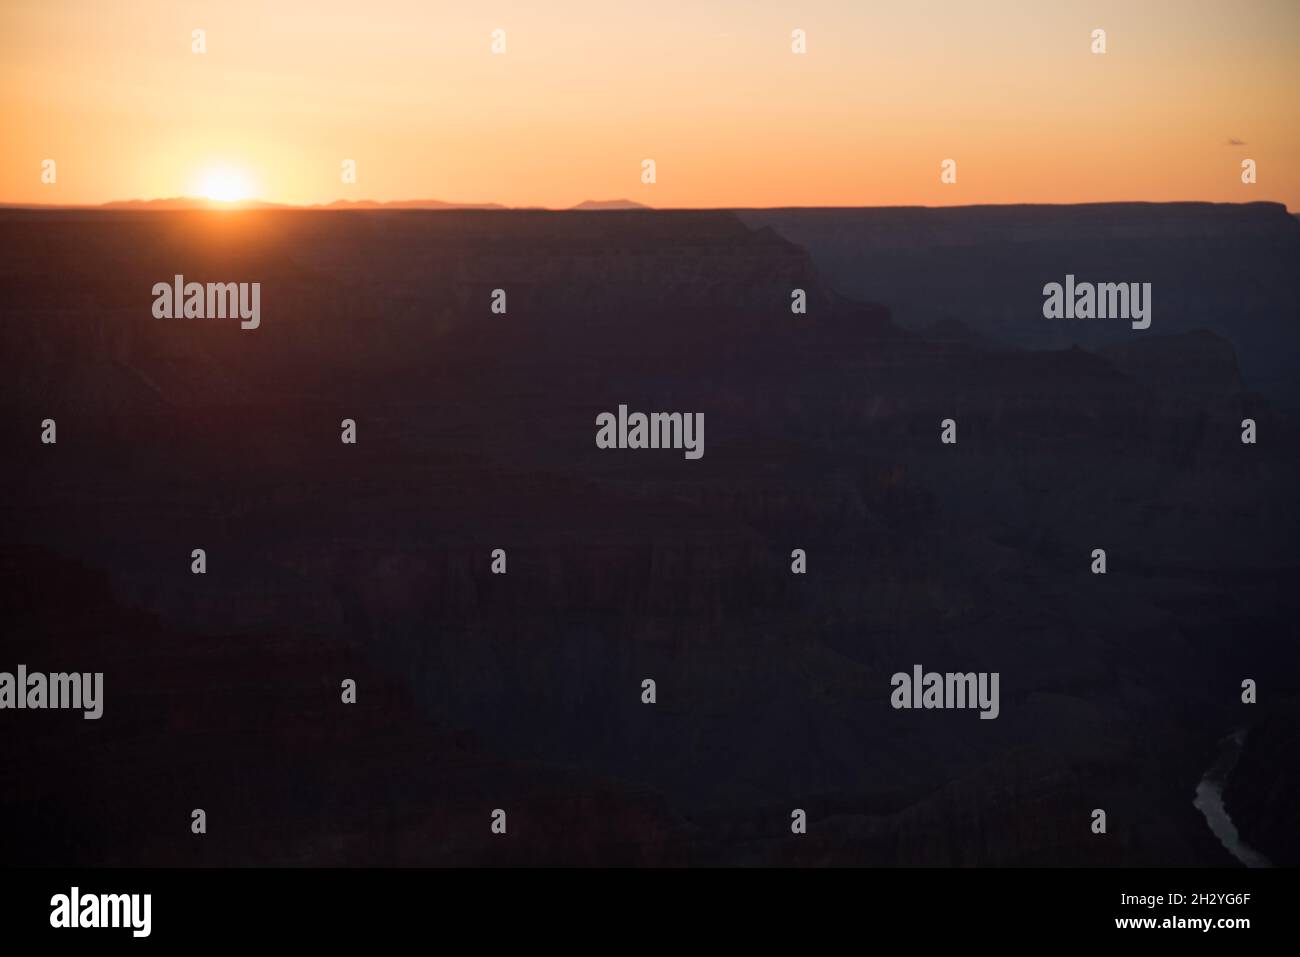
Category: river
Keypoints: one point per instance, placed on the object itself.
(1209, 801)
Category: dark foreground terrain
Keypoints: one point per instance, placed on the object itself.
(522, 692)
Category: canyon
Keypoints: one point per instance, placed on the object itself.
(522, 691)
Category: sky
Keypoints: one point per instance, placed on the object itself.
(411, 91)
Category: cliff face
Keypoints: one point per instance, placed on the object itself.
(477, 431)
(250, 729)
(1225, 268)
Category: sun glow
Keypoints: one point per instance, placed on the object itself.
(223, 185)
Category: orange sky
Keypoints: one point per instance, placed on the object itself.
(710, 90)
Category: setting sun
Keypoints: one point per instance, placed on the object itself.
(134, 107)
(224, 185)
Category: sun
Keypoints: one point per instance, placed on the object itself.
(224, 185)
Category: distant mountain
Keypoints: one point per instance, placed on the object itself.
(601, 204)
(189, 202)
(199, 202)
(402, 204)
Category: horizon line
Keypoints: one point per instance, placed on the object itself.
(201, 204)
